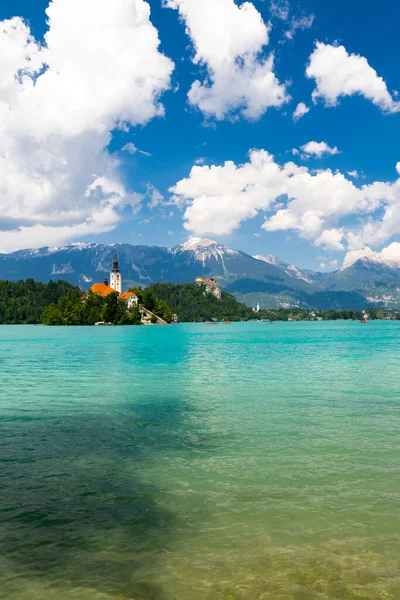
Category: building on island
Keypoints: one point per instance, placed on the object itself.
(115, 277)
(115, 285)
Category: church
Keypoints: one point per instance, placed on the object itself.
(115, 285)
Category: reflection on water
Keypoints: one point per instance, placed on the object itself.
(240, 463)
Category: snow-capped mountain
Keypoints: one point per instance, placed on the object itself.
(291, 270)
(374, 261)
(264, 279)
(203, 249)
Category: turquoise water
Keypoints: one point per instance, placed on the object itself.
(235, 462)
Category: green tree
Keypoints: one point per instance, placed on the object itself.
(149, 299)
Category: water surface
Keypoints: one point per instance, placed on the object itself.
(233, 462)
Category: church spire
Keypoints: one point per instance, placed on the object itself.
(115, 264)
(115, 276)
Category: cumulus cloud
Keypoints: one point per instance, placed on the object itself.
(59, 103)
(331, 239)
(132, 149)
(301, 110)
(317, 149)
(338, 73)
(217, 199)
(389, 255)
(354, 255)
(229, 40)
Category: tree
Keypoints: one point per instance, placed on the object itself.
(24, 301)
(162, 310)
(149, 299)
(114, 309)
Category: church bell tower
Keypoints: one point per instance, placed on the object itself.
(115, 277)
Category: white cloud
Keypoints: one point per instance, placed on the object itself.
(229, 40)
(155, 196)
(132, 149)
(390, 254)
(317, 149)
(280, 9)
(200, 161)
(353, 174)
(354, 255)
(338, 73)
(301, 110)
(331, 239)
(299, 24)
(170, 233)
(59, 104)
(334, 263)
(398, 168)
(217, 199)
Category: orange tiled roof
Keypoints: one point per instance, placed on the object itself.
(102, 289)
(127, 295)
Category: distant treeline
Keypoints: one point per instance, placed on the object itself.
(190, 302)
(24, 301)
(60, 303)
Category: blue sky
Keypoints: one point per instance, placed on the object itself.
(365, 134)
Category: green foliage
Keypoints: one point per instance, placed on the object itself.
(346, 315)
(24, 301)
(114, 309)
(192, 303)
(162, 310)
(149, 299)
(71, 310)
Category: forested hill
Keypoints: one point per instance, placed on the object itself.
(24, 301)
(191, 303)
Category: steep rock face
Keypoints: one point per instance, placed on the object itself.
(261, 279)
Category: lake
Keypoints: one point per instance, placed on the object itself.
(232, 462)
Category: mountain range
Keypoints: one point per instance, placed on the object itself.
(266, 280)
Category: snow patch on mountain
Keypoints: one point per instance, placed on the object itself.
(368, 258)
(272, 260)
(62, 269)
(203, 249)
(290, 270)
(388, 257)
(48, 251)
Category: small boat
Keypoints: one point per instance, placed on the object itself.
(363, 320)
(211, 322)
(228, 322)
